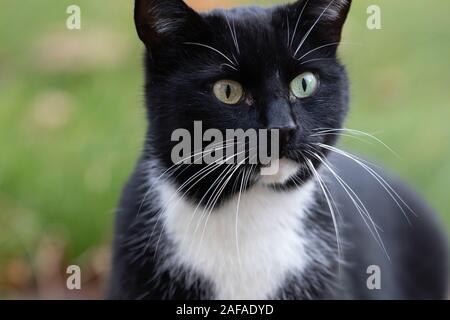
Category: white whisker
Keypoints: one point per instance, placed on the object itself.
(229, 66)
(213, 49)
(327, 198)
(341, 135)
(386, 186)
(357, 132)
(216, 195)
(220, 189)
(237, 221)
(296, 24)
(318, 59)
(318, 48)
(325, 46)
(221, 176)
(359, 205)
(311, 29)
(244, 182)
(208, 169)
(175, 168)
(236, 38)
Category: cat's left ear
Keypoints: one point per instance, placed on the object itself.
(324, 16)
(162, 23)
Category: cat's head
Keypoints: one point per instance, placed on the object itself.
(244, 68)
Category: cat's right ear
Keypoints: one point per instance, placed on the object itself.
(325, 17)
(160, 22)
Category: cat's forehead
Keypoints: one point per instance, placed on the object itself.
(249, 30)
(246, 22)
(252, 36)
(242, 14)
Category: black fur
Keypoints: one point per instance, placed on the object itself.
(179, 79)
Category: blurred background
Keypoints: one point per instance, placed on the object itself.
(72, 124)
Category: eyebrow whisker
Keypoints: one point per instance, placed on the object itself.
(213, 49)
(312, 27)
(318, 59)
(229, 66)
(233, 34)
(298, 21)
(318, 48)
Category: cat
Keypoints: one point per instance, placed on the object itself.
(327, 225)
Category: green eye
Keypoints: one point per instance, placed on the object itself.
(228, 91)
(304, 85)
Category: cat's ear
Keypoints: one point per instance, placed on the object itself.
(328, 16)
(164, 21)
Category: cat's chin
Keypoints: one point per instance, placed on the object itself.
(279, 172)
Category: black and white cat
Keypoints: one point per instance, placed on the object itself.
(311, 231)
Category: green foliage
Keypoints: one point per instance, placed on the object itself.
(72, 120)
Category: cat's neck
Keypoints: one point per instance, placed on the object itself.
(257, 238)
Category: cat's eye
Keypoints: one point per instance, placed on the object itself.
(228, 91)
(304, 85)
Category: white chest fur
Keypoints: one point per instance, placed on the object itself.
(245, 250)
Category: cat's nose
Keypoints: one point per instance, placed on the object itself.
(279, 117)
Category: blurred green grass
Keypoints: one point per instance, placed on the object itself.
(72, 123)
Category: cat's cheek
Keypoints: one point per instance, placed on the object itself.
(279, 172)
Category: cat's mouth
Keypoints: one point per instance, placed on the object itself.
(279, 171)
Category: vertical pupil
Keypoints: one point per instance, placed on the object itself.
(304, 84)
(228, 91)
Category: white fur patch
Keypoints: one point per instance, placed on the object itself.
(270, 247)
(282, 169)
